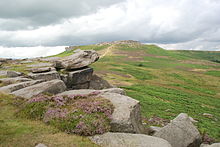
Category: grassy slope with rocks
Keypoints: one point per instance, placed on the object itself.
(166, 82)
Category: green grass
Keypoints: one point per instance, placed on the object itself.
(20, 132)
(179, 81)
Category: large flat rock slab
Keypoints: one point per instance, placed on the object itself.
(180, 132)
(52, 87)
(45, 76)
(78, 60)
(17, 86)
(128, 140)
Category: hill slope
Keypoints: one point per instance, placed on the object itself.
(165, 82)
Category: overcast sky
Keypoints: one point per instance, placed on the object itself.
(47, 25)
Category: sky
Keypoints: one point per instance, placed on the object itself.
(31, 28)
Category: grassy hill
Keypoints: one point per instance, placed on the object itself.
(165, 82)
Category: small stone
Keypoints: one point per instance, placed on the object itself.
(207, 115)
(40, 145)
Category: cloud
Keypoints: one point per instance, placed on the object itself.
(29, 52)
(183, 24)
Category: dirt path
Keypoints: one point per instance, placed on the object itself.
(107, 51)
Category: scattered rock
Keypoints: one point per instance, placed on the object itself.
(180, 132)
(45, 76)
(79, 79)
(78, 60)
(126, 116)
(207, 115)
(98, 83)
(14, 80)
(52, 87)
(128, 140)
(43, 69)
(3, 72)
(14, 87)
(40, 145)
(12, 74)
(213, 145)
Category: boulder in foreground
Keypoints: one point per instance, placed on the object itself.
(128, 140)
(180, 132)
(212, 145)
(52, 87)
(78, 60)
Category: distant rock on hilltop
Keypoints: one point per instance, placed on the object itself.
(128, 42)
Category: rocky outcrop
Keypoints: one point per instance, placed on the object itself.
(180, 132)
(98, 83)
(126, 116)
(78, 60)
(52, 87)
(45, 76)
(17, 86)
(41, 65)
(128, 140)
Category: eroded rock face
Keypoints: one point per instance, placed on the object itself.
(17, 86)
(98, 83)
(128, 140)
(78, 60)
(52, 87)
(79, 79)
(180, 132)
(45, 76)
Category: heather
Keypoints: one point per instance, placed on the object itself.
(78, 114)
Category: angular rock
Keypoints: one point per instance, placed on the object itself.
(12, 74)
(45, 76)
(14, 80)
(88, 91)
(17, 86)
(78, 60)
(180, 132)
(42, 69)
(212, 145)
(80, 77)
(128, 140)
(52, 87)
(98, 83)
(3, 73)
(126, 116)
